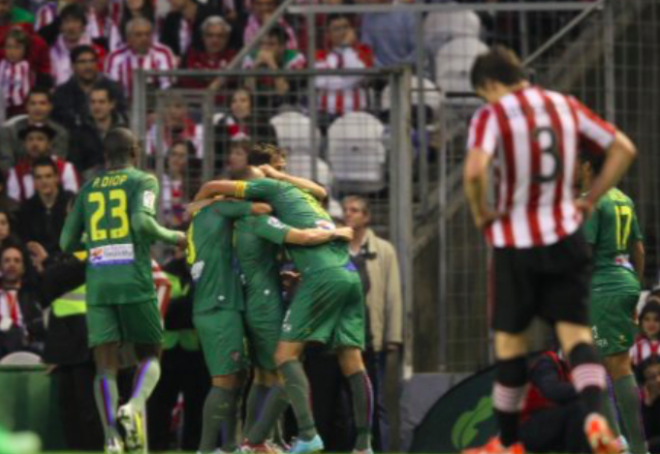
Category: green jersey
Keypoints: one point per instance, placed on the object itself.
(211, 257)
(119, 265)
(300, 210)
(257, 243)
(611, 230)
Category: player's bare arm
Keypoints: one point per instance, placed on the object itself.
(638, 257)
(475, 182)
(145, 224)
(315, 189)
(312, 237)
(620, 156)
(257, 208)
(215, 188)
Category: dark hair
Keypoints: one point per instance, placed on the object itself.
(649, 307)
(336, 16)
(263, 153)
(147, 11)
(279, 33)
(190, 147)
(652, 360)
(99, 86)
(44, 161)
(77, 51)
(40, 91)
(359, 199)
(119, 146)
(20, 36)
(73, 11)
(500, 64)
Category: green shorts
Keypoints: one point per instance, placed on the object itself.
(328, 307)
(138, 323)
(263, 323)
(221, 335)
(612, 322)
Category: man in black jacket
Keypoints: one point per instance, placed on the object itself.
(41, 218)
(71, 99)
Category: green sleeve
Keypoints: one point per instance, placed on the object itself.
(233, 209)
(261, 189)
(590, 226)
(145, 198)
(145, 224)
(70, 238)
(269, 228)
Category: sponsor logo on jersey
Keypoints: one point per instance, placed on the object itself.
(149, 200)
(112, 254)
(325, 225)
(274, 222)
(196, 270)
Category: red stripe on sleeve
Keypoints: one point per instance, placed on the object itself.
(510, 170)
(480, 128)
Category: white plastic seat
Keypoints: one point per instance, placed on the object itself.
(453, 64)
(443, 26)
(356, 152)
(21, 359)
(294, 134)
(433, 97)
(300, 165)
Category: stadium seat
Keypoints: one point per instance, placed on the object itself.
(301, 165)
(453, 63)
(21, 359)
(356, 152)
(293, 132)
(442, 27)
(433, 97)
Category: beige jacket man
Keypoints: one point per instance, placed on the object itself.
(384, 299)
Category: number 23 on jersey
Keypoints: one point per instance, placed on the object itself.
(112, 208)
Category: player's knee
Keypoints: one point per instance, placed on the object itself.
(350, 361)
(230, 381)
(145, 351)
(509, 346)
(287, 351)
(106, 357)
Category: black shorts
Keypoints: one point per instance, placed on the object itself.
(551, 282)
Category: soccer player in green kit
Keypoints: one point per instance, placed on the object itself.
(328, 306)
(217, 312)
(613, 232)
(116, 213)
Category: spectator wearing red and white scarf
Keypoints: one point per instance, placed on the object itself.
(16, 74)
(21, 315)
(647, 343)
(261, 10)
(140, 52)
(72, 34)
(38, 139)
(341, 94)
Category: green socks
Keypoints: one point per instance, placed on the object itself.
(256, 400)
(363, 405)
(146, 379)
(276, 403)
(219, 413)
(627, 399)
(297, 389)
(107, 399)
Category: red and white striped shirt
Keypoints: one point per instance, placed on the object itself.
(163, 288)
(340, 94)
(10, 310)
(191, 131)
(16, 81)
(123, 62)
(535, 136)
(20, 184)
(643, 349)
(45, 15)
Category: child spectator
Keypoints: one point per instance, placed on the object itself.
(648, 341)
(649, 378)
(16, 74)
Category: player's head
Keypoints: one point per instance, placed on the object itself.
(266, 153)
(496, 73)
(590, 166)
(357, 213)
(120, 147)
